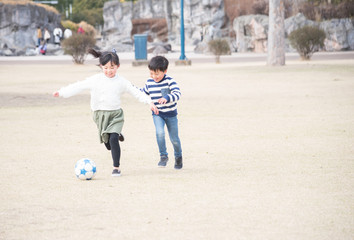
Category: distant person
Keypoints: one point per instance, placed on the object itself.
(67, 33)
(39, 36)
(80, 30)
(46, 35)
(164, 92)
(43, 48)
(58, 34)
(106, 90)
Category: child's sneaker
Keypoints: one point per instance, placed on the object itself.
(108, 146)
(116, 173)
(163, 161)
(178, 163)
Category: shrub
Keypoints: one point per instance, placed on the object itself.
(89, 29)
(78, 45)
(70, 25)
(219, 47)
(260, 7)
(346, 9)
(319, 11)
(307, 40)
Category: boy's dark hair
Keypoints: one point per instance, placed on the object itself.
(105, 57)
(158, 63)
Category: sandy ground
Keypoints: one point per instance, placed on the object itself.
(268, 154)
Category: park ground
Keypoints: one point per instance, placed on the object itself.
(268, 154)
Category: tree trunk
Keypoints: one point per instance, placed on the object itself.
(276, 33)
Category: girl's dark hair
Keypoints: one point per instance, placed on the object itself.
(105, 57)
(158, 63)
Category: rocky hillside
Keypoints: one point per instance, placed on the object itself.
(208, 19)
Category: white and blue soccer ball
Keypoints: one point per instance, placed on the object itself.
(85, 169)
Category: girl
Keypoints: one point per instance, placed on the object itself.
(106, 89)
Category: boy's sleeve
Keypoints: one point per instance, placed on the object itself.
(145, 89)
(175, 94)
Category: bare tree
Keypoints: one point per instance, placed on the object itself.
(276, 33)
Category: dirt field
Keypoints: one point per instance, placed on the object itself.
(268, 154)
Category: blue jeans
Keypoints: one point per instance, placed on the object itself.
(172, 127)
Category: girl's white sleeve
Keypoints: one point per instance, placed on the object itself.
(135, 92)
(74, 88)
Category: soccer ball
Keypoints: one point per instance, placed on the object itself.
(85, 169)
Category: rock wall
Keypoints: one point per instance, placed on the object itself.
(252, 32)
(18, 27)
(202, 19)
(160, 19)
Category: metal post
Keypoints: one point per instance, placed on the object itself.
(183, 56)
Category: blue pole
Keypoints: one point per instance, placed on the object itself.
(183, 56)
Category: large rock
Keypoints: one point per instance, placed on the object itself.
(18, 26)
(295, 22)
(252, 32)
(117, 26)
(339, 34)
(202, 20)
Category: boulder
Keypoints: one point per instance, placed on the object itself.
(295, 22)
(117, 26)
(339, 34)
(18, 25)
(203, 20)
(251, 33)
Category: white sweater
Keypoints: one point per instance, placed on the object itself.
(105, 92)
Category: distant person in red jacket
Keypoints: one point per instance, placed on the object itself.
(80, 30)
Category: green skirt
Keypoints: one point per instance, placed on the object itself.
(108, 122)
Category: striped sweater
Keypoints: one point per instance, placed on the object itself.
(166, 88)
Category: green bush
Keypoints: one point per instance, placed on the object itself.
(219, 47)
(70, 25)
(307, 40)
(77, 46)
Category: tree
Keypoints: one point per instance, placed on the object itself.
(90, 11)
(276, 33)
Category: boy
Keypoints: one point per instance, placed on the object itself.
(164, 93)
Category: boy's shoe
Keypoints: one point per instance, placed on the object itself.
(163, 161)
(116, 173)
(178, 163)
(121, 137)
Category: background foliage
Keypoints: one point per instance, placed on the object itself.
(90, 11)
(77, 46)
(219, 47)
(307, 40)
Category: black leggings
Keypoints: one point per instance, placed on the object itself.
(113, 145)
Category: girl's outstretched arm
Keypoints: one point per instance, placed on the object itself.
(154, 108)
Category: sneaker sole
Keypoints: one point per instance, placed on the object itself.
(116, 175)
